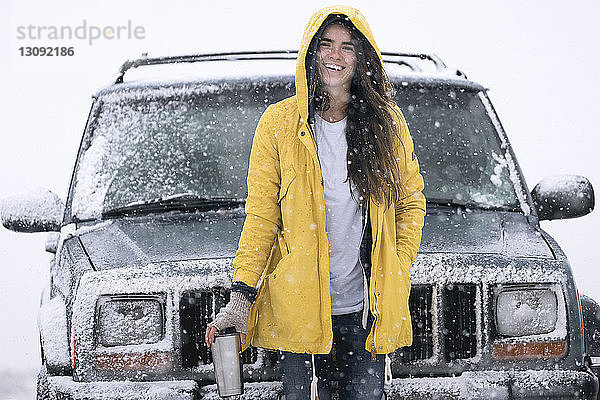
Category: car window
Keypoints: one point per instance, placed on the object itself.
(459, 151)
(155, 143)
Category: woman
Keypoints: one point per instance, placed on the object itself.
(334, 218)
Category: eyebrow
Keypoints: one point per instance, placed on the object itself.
(331, 41)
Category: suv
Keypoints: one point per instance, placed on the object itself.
(143, 257)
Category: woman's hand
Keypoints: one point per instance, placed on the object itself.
(234, 314)
(210, 336)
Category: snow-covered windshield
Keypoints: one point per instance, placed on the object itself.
(150, 143)
(459, 151)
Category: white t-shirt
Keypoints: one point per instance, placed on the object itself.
(343, 218)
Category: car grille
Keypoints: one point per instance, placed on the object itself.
(421, 316)
(195, 312)
(459, 323)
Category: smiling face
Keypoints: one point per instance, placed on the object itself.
(336, 57)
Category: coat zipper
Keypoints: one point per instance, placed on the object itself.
(373, 347)
(365, 285)
(376, 316)
(373, 354)
(312, 135)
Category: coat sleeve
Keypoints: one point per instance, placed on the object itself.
(263, 215)
(410, 209)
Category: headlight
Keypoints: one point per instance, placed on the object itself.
(526, 311)
(129, 319)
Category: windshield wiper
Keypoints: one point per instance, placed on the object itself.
(182, 202)
(466, 204)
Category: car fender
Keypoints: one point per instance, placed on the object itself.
(52, 324)
(591, 324)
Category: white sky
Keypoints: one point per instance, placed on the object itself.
(539, 58)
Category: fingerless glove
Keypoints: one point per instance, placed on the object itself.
(234, 314)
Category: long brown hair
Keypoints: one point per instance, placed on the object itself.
(372, 133)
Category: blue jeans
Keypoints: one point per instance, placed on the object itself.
(358, 376)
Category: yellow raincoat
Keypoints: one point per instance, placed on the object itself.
(284, 248)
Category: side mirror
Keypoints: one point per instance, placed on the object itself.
(563, 196)
(38, 210)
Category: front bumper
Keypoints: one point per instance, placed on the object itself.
(528, 384)
(64, 388)
(531, 384)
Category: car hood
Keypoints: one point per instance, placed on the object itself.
(482, 232)
(139, 241)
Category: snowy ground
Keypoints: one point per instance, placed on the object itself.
(544, 82)
(17, 385)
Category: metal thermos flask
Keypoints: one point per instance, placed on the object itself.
(227, 360)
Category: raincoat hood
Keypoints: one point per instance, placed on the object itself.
(315, 27)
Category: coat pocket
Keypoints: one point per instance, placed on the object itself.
(293, 292)
(287, 178)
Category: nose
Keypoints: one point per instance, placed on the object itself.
(335, 52)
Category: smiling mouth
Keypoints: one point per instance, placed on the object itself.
(334, 67)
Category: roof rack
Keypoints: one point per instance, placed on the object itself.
(406, 59)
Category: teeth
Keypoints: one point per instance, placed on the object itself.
(333, 66)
